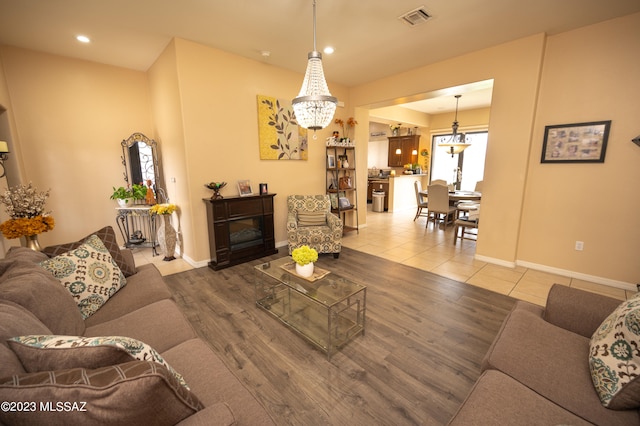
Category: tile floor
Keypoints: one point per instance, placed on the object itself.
(395, 236)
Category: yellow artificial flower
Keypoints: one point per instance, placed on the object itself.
(163, 208)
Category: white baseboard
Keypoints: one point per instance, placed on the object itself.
(572, 274)
(557, 271)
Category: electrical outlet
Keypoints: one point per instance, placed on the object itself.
(579, 245)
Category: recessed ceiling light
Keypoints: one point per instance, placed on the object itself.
(328, 50)
(83, 39)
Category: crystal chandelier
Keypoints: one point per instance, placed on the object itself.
(314, 107)
(457, 143)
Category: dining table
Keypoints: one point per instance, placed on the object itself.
(455, 196)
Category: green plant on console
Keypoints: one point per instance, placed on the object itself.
(139, 191)
(121, 193)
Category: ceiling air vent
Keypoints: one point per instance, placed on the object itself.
(415, 17)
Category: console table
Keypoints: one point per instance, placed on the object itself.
(240, 229)
(137, 226)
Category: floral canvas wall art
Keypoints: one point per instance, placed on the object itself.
(279, 135)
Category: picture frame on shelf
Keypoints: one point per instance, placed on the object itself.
(576, 143)
(244, 188)
(331, 161)
(334, 200)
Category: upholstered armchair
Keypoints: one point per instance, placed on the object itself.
(310, 222)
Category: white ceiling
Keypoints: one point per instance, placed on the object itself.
(370, 41)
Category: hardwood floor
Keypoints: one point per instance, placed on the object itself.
(425, 338)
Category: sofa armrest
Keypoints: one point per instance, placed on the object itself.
(292, 222)
(127, 254)
(577, 310)
(334, 222)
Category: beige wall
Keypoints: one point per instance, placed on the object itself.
(217, 115)
(515, 68)
(589, 74)
(70, 117)
(533, 213)
(200, 104)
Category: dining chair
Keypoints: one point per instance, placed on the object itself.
(420, 200)
(478, 186)
(466, 224)
(439, 182)
(438, 196)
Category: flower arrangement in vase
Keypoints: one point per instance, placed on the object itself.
(25, 206)
(304, 256)
(395, 129)
(346, 127)
(167, 236)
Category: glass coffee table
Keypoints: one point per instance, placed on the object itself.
(328, 312)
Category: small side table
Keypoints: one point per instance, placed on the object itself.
(137, 226)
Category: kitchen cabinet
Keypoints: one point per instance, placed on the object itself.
(406, 144)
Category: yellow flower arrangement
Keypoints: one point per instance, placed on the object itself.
(304, 254)
(163, 208)
(25, 205)
(24, 226)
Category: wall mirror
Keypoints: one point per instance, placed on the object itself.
(141, 163)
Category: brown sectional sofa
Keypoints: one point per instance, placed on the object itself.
(537, 372)
(32, 302)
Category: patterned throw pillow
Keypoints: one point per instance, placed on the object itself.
(108, 237)
(136, 392)
(50, 352)
(614, 357)
(88, 273)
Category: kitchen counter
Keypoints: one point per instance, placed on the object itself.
(402, 195)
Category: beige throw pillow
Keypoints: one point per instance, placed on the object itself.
(312, 218)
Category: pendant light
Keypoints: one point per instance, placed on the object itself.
(314, 107)
(457, 143)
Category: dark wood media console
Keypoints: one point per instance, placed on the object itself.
(240, 229)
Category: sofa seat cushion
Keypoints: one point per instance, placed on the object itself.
(108, 237)
(161, 325)
(553, 362)
(27, 284)
(136, 392)
(497, 399)
(215, 383)
(214, 415)
(15, 321)
(143, 288)
(53, 352)
(614, 357)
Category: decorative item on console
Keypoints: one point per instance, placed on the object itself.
(216, 187)
(395, 129)
(25, 207)
(167, 236)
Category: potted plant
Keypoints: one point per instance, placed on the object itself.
(139, 191)
(304, 257)
(122, 195)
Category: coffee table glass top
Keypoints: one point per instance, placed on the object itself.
(328, 290)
